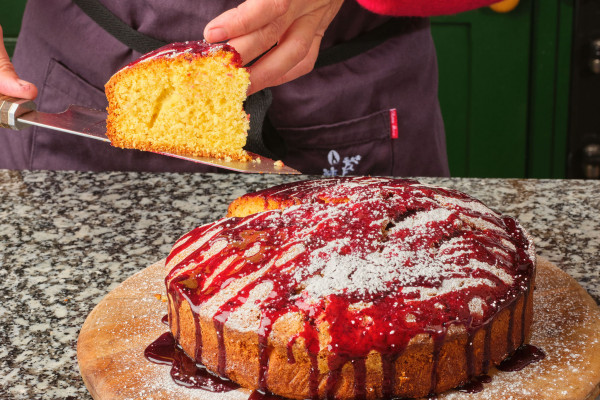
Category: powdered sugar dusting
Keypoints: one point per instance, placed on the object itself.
(290, 253)
(420, 220)
(473, 205)
(496, 270)
(220, 268)
(379, 261)
(247, 317)
(188, 247)
(476, 306)
(210, 307)
(119, 329)
(480, 223)
(566, 326)
(368, 237)
(252, 251)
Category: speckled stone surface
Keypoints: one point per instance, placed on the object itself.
(68, 238)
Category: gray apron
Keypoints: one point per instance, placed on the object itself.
(373, 114)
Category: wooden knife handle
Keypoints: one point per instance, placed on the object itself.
(12, 108)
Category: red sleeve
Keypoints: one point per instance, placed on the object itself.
(422, 8)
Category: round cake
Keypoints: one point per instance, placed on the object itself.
(352, 288)
(185, 98)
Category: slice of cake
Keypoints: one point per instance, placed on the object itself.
(352, 288)
(184, 98)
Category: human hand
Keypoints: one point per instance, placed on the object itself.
(294, 26)
(10, 84)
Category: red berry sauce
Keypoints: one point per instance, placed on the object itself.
(191, 49)
(379, 260)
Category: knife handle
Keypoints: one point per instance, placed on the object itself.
(12, 108)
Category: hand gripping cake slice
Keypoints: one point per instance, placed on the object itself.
(184, 98)
(352, 288)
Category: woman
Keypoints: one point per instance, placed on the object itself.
(370, 108)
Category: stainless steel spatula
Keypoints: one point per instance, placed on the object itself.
(17, 113)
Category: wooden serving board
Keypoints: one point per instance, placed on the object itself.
(111, 345)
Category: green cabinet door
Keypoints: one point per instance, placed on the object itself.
(484, 59)
(503, 89)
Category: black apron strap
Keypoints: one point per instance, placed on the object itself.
(143, 43)
(117, 28)
(366, 41)
(262, 136)
(257, 106)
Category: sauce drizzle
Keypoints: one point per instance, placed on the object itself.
(411, 259)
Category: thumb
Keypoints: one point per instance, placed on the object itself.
(11, 85)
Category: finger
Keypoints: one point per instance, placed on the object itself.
(247, 17)
(258, 42)
(308, 63)
(17, 88)
(10, 84)
(293, 47)
(303, 67)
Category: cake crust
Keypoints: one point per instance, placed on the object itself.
(229, 309)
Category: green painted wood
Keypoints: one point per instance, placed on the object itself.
(549, 97)
(504, 89)
(543, 70)
(455, 97)
(484, 88)
(563, 85)
(11, 13)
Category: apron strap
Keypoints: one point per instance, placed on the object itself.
(143, 43)
(367, 41)
(262, 136)
(117, 28)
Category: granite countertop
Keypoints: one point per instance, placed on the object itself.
(69, 238)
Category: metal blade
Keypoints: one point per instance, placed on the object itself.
(75, 120)
(91, 123)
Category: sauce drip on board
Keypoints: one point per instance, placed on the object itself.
(475, 385)
(525, 355)
(186, 372)
(439, 258)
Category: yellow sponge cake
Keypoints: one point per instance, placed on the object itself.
(184, 98)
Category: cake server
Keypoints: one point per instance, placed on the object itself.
(17, 113)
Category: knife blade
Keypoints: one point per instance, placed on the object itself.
(17, 113)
